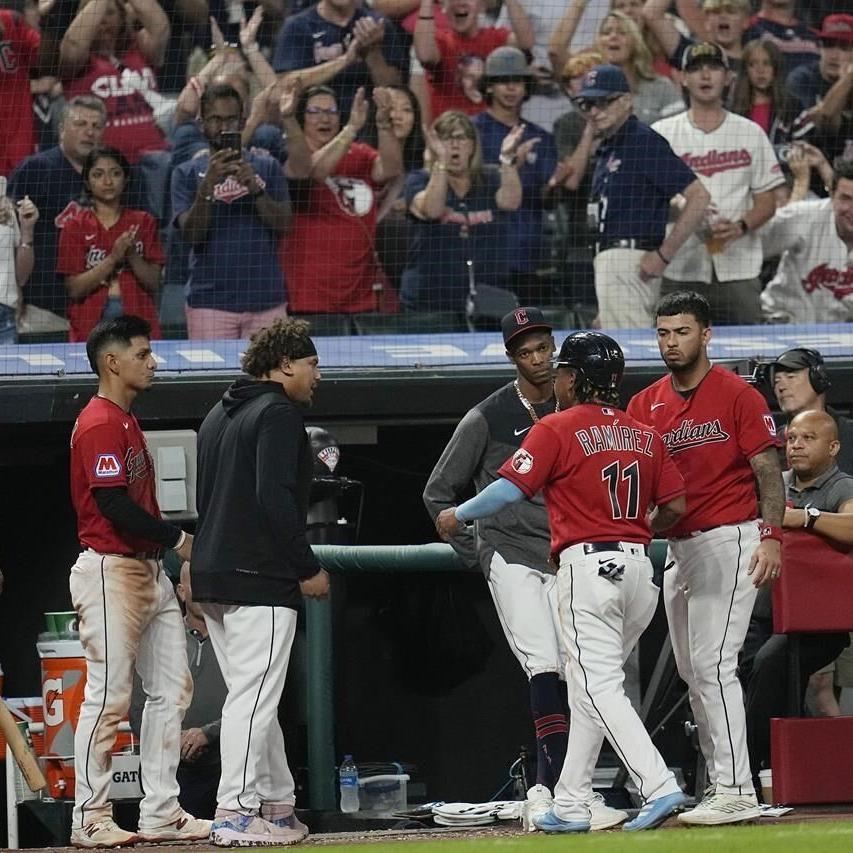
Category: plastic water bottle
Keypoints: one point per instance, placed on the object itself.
(348, 773)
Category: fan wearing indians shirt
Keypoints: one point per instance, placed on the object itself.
(814, 280)
(735, 162)
(111, 256)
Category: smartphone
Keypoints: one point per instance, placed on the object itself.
(231, 139)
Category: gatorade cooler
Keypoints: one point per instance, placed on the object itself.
(63, 675)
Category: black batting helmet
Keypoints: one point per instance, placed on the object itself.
(598, 360)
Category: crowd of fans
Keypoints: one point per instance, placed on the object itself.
(217, 163)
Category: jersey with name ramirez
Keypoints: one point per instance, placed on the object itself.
(108, 449)
(600, 469)
(711, 435)
(814, 280)
(734, 162)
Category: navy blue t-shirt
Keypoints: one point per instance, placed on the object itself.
(436, 277)
(636, 175)
(797, 44)
(525, 224)
(808, 85)
(56, 188)
(307, 39)
(236, 267)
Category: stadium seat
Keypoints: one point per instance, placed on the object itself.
(812, 758)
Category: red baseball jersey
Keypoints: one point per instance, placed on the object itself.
(84, 243)
(600, 471)
(108, 449)
(19, 44)
(711, 435)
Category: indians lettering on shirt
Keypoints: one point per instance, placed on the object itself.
(718, 161)
(688, 434)
(824, 277)
(606, 438)
(325, 52)
(95, 255)
(231, 190)
(137, 464)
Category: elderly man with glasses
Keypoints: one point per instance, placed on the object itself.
(636, 175)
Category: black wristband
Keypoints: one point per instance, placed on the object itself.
(662, 256)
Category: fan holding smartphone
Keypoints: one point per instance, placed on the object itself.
(225, 201)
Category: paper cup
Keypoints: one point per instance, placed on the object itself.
(766, 779)
(62, 622)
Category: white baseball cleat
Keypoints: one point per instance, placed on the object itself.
(183, 828)
(721, 808)
(538, 802)
(102, 833)
(236, 829)
(603, 816)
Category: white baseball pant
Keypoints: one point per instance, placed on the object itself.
(709, 597)
(527, 608)
(128, 614)
(252, 645)
(601, 621)
(625, 301)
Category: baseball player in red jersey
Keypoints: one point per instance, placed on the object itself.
(722, 437)
(599, 471)
(127, 610)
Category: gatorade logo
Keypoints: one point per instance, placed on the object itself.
(54, 707)
(107, 466)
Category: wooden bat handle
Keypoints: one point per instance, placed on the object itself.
(30, 769)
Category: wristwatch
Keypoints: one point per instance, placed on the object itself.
(812, 515)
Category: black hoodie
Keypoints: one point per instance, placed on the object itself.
(254, 476)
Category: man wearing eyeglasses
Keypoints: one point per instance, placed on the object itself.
(225, 201)
(636, 174)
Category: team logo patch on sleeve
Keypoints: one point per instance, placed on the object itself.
(108, 465)
(771, 426)
(522, 461)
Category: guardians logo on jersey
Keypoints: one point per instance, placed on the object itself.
(522, 461)
(689, 434)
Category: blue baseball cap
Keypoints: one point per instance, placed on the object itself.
(602, 82)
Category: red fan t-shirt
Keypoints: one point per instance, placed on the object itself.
(712, 435)
(108, 449)
(328, 256)
(19, 44)
(121, 85)
(600, 471)
(453, 82)
(84, 243)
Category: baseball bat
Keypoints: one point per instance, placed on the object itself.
(30, 769)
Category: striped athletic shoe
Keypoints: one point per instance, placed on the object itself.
(183, 828)
(102, 833)
(719, 808)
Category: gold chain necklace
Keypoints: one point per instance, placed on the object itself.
(528, 405)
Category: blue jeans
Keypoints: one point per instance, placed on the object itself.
(8, 325)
